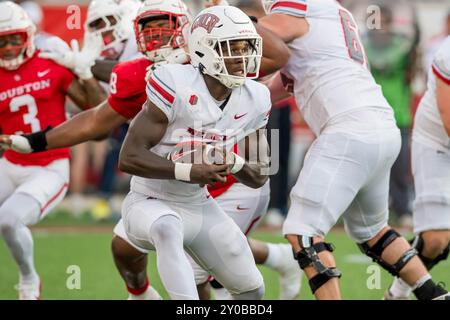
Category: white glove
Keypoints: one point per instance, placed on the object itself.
(78, 61)
(65, 59)
(17, 143)
(85, 58)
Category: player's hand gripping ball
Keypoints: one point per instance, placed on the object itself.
(198, 152)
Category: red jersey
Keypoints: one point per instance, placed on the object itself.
(31, 99)
(127, 87)
(127, 95)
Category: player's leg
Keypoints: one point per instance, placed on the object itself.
(152, 224)
(334, 170)
(7, 186)
(18, 211)
(131, 262)
(202, 280)
(431, 211)
(366, 222)
(247, 207)
(221, 249)
(40, 190)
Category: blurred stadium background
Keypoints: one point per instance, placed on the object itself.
(78, 232)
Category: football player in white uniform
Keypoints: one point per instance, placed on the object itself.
(346, 170)
(431, 170)
(168, 206)
(243, 204)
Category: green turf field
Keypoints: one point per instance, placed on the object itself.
(55, 252)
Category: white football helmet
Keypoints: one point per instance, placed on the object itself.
(14, 20)
(113, 21)
(211, 39)
(150, 40)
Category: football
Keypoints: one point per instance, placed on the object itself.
(197, 152)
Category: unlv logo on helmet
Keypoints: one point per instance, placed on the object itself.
(206, 21)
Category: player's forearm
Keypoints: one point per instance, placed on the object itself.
(75, 131)
(253, 175)
(103, 68)
(93, 124)
(254, 169)
(95, 94)
(144, 163)
(275, 52)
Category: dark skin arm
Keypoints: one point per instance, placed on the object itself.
(255, 147)
(146, 131)
(86, 93)
(92, 124)
(103, 68)
(275, 52)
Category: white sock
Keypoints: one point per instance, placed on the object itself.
(274, 256)
(149, 294)
(400, 289)
(421, 281)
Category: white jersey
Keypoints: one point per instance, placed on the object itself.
(328, 65)
(181, 93)
(428, 126)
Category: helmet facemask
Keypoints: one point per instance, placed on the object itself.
(107, 28)
(16, 46)
(165, 33)
(233, 60)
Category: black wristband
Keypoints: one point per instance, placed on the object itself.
(254, 19)
(37, 140)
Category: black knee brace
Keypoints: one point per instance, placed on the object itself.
(215, 284)
(308, 256)
(418, 243)
(377, 249)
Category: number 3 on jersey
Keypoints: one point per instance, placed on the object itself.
(355, 49)
(29, 117)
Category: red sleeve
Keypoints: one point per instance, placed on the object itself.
(127, 87)
(66, 77)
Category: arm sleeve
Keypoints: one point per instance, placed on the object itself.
(161, 91)
(441, 62)
(297, 8)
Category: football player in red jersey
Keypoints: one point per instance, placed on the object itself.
(32, 98)
(159, 29)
